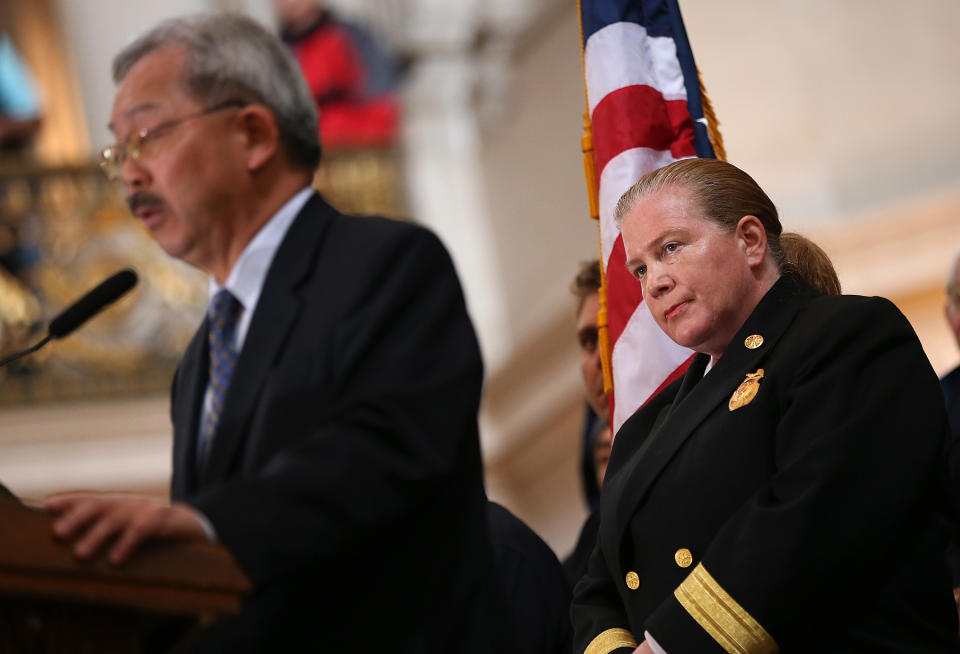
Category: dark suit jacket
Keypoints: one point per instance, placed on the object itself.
(950, 383)
(345, 474)
(537, 592)
(811, 519)
(575, 565)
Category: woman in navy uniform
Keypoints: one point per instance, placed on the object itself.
(787, 493)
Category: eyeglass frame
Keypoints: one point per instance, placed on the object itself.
(114, 156)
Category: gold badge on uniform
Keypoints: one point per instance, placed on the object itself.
(753, 341)
(747, 390)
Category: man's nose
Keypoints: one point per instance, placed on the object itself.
(133, 175)
(597, 362)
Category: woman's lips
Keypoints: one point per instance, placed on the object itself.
(673, 311)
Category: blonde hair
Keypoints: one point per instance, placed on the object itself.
(725, 194)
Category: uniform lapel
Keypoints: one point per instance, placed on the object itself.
(190, 387)
(693, 375)
(697, 398)
(275, 315)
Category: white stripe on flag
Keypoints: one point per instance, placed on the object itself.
(643, 358)
(618, 175)
(622, 54)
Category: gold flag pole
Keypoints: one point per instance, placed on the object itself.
(593, 199)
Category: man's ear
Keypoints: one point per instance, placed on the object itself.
(753, 239)
(260, 133)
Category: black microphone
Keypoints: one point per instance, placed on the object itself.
(107, 292)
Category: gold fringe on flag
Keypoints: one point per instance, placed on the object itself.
(713, 125)
(603, 335)
(593, 200)
(590, 168)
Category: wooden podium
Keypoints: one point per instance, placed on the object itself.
(51, 603)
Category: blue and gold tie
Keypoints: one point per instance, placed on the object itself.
(224, 311)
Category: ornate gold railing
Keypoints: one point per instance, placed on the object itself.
(64, 229)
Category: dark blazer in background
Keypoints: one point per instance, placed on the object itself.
(575, 565)
(950, 383)
(813, 517)
(538, 596)
(345, 474)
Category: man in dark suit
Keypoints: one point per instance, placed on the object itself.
(597, 436)
(325, 412)
(951, 381)
(950, 384)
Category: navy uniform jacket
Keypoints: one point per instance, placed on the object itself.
(345, 474)
(810, 519)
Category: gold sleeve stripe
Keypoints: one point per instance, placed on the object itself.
(610, 640)
(719, 614)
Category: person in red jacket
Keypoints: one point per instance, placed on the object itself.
(349, 75)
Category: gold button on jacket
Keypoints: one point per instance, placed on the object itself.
(683, 557)
(633, 580)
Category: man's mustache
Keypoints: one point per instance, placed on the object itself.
(144, 199)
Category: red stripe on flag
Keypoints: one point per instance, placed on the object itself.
(638, 117)
(676, 374)
(629, 292)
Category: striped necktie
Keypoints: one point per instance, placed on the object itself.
(224, 311)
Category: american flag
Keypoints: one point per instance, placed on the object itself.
(645, 105)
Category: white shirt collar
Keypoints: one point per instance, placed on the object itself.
(246, 278)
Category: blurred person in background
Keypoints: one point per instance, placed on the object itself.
(351, 76)
(19, 101)
(597, 436)
(950, 383)
(536, 589)
(20, 119)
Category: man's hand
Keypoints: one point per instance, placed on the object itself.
(643, 649)
(92, 521)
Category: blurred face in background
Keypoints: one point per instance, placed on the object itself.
(297, 13)
(590, 366)
(952, 308)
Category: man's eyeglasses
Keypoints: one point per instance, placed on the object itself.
(142, 144)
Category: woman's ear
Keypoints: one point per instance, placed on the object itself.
(753, 239)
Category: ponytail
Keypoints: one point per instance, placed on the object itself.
(807, 261)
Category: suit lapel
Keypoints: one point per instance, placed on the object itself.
(697, 398)
(190, 387)
(275, 314)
